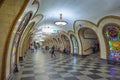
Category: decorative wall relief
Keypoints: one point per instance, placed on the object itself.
(113, 38)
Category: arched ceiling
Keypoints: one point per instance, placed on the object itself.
(73, 10)
(92, 10)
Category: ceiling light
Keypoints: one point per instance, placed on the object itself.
(60, 23)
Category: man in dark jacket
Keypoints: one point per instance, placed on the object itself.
(53, 51)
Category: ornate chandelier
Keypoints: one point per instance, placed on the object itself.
(60, 23)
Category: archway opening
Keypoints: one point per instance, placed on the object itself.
(75, 44)
(90, 43)
(66, 44)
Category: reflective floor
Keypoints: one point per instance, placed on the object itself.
(40, 66)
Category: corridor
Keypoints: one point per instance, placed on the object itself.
(40, 66)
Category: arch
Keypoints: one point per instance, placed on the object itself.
(73, 33)
(25, 45)
(36, 2)
(8, 43)
(67, 35)
(25, 21)
(37, 18)
(26, 42)
(75, 44)
(66, 42)
(115, 20)
(88, 36)
(84, 24)
(17, 37)
(23, 36)
(34, 20)
(106, 18)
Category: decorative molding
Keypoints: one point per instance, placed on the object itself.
(36, 2)
(107, 17)
(3, 72)
(28, 14)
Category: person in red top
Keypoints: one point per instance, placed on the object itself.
(58, 49)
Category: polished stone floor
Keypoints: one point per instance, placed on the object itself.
(40, 66)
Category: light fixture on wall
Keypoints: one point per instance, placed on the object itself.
(61, 23)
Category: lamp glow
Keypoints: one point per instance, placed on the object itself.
(61, 23)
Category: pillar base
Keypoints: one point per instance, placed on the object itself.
(20, 59)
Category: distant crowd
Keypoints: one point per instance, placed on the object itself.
(34, 46)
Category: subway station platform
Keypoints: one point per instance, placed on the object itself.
(40, 66)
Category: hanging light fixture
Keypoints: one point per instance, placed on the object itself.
(60, 23)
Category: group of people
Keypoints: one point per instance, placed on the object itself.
(34, 46)
(52, 51)
(66, 50)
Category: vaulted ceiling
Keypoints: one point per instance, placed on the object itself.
(73, 10)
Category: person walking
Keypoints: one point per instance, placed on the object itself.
(53, 51)
(94, 47)
(32, 48)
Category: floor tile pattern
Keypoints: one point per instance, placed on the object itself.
(40, 66)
